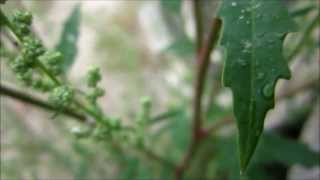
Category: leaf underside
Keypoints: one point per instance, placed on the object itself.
(253, 34)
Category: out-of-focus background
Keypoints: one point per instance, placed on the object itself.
(146, 48)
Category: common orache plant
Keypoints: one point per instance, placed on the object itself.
(249, 34)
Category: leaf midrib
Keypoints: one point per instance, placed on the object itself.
(253, 73)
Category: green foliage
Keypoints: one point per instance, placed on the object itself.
(141, 145)
(69, 37)
(93, 76)
(61, 96)
(171, 5)
(52, 60)
(183, 47)
(21, 22)
(272, 149)
(253, 34)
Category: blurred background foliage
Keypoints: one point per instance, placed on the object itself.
(144, 48)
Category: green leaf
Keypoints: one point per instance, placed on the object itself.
(69, 37)
(172, 5)
(253, 35)
(182, 47)
(275, 148)
(170, 10)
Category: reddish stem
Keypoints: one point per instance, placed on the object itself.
(203, 60)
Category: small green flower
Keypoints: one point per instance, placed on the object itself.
(53, 61)
(32, 48)
(43, 85)
(93, 76)
(25, 77)
(95, 93)
(61, 96)
(18, 65)
(101, 133)
(21, 22)
(115, 123)
(145, 102)
(22, 29)
(23, 17)
(144, 114)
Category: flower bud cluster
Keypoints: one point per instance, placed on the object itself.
(141, 122)
(61, 96)
(32, 54)
(52, 60)
(21, 21)
(93, 77)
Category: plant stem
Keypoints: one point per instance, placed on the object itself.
(5, 21)
(155, 157)
(202, 68)
(203, 60)
(198, 22)
(26, 98)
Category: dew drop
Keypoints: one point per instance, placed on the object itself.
(270, 41)
(234, 4)
(261, 34)
(242, 62)
(259, 16)
(268, 90)
(241, 17)
(260, 75)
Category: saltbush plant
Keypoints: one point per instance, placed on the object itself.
(250, 33)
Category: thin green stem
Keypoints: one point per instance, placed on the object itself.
(26, 98)
(5, 21)
(47, 72)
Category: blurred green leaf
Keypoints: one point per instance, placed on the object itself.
(179, 133)
(172, 5)
(69, 37)
(301, 11)
(182, 47)
(271, 149)
(275, 148)
(172, 17)
(166, 115)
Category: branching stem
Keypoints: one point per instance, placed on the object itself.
(203, 60)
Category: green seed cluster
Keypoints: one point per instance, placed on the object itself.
(39, 68)
(52, 60)
(21, 21)
(93, 77)
(61, 96)
(141, 122)
(26, 65)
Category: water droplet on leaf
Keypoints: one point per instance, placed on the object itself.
(260, 75)
(242, 62)
(268, 90)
